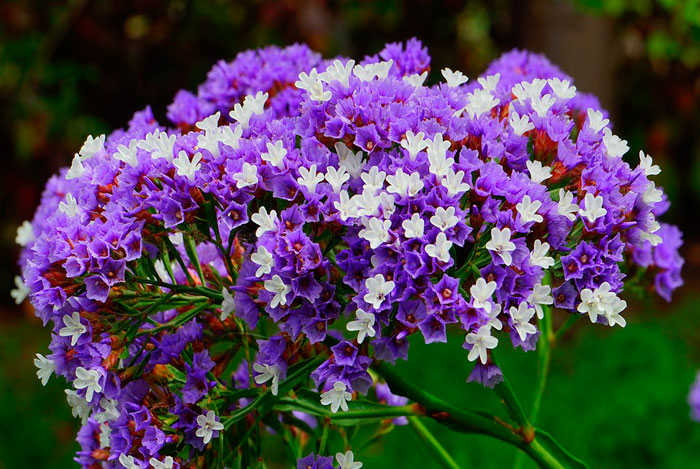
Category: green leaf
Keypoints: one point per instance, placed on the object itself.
(555, 449)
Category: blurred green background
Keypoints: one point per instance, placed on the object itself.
(615, 398)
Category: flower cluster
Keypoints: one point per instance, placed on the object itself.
(302, 219)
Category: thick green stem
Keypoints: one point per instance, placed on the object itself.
(433, 444)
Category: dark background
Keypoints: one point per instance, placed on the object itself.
(616, 399)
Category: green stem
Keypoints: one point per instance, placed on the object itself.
(512, 405)
(432, 443)
(573, 318)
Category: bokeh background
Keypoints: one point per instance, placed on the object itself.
(615, 398)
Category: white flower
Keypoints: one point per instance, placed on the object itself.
(440, 249)
(160, 144)
(481, 293)
(128, 154)
(208, 424)
(538, 173)
(364, 325)
(454, 182)
(493, 318)
(347, 460)
(416, 80)
(414, 143)
(542, 104)
(402, 184)
(275, 154)
(481, 342)
(562, 88)
(376, 231)
(454, 79)
(336, 177)
(346, 206)
(440, 165)
(88, 380)
(279, 288)
(20, 292)
(267, 373)
(651, 194)
(109, 412)
(128, 462)
(105, 436)
(595, 120)
(615, 145)
(381, 69)
(566, 207)
(228, 136)
(337, 397)
(73, 328)
(241, 114)
(413, 227)
(387, 203)
(309, 178)
(520, 124)
(490, 82)
(263, 258)
(162, 272)
(256, 103)
(76, 168)
(528, 210)
(501, 244)
(338, 72)
(70, 206)
(520, 317)
(444, 219)
(45, 367)
(593, 207)
(266, 222)
(25, 233)
(166, 464)
(227, 305)
(91, 146)
(312, 84)
(185, 167)
(377, 290)
(368, 203)
(374, 179)
(353, 162)
(533, 89)
(539, 257)
(647, 165)
(79, 406)
(540, 296)
(247, 177)
(479, 102)
(209, 124)
(363, 73)
(602, 302)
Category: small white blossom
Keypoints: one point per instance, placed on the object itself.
(647, 165)
(481, 342)
(20, 292)
(275, 154)
(540, 296)
(520, 317)
(208, 424)
(227, 305)
(128, 461)
(367, 203)
(440, 165)
(109, 413)
(454, 78)
(538, 173)
(347, 460)
(128, 154)
(209, 124)
(167, 463)
(532, 89)
(91, 146)
(374, 179)
(346, 206)
(266, 222)
(76, 168)
(228, 136)
(248, 176)
(256, 103)
(377, 290)
(593, 207)
(88, 380)
(79, 406)
(160, 144)
(313, 85)
(520, 124)
(490, 82)
(73, 328)
(264, 259)
(565, 206)
(602, 302)
(454, 182)
(376, 232)
(402, 184)
(25, 233)
(309, 178)
(364, 325)
(185, 167)
(70, 206)
(267, 373)
(413, 227)
(444, 219)
(45, 367)
(241, 114)
(414, 143)
(493, 318)
(615, 145)
(541, 105)
(337, 397)
(651, 194)
(338, 72)
(562, 88)
(528, 210)
(416, 80)
(479, 102)
(539, 257)
(381, 69)
(481, 293)
(353, 162)
(440, 249)
(595, 120)
(501, 244)
(336, 177)
(279, 288)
